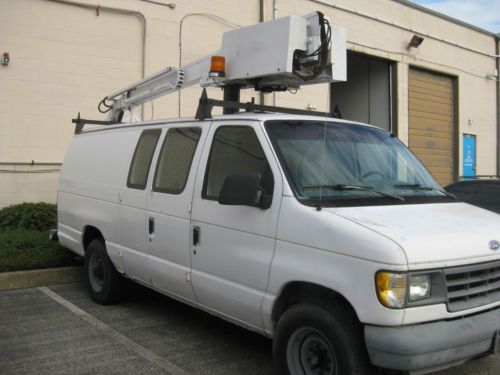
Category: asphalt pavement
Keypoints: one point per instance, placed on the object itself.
(59, 330)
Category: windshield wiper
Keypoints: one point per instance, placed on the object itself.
(423, 187)
(343, 187)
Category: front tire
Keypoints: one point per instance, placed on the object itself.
(320, 339)
(104, 284)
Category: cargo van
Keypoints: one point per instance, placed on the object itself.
(327, 236)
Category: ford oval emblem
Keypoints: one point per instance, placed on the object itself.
(494, 245)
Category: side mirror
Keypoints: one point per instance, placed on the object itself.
(243, 189)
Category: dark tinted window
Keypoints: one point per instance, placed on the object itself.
(235, 149)
(141, 161)
(348, 164)
(174, 162)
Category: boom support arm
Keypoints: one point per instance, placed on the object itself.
(272, 56)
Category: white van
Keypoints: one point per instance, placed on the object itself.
(326, 235)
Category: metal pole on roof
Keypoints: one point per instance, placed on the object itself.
(262, 18)
(497, 52)
(232, 94)
(275, 15)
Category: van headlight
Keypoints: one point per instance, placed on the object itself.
(397, 290)
(419, 287)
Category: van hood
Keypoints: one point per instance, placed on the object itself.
(433, 235)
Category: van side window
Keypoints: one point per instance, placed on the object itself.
(235, 149)
(174, 162)
(141, 161)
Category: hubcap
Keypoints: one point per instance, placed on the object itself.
(96, 272)
(310, 353)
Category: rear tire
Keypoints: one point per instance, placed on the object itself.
(104, 284)
(320, 339)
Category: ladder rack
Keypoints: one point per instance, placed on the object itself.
(206, 104)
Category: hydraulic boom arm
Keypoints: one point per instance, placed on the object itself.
(272, 56)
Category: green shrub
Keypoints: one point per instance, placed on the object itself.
(36, 216)
(24, 238)
(25, 249)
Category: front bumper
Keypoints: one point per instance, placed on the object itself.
(426, 347)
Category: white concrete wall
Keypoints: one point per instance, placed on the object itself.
(64, 59)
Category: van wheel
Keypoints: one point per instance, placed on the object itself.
(104, 284)
(320, 339)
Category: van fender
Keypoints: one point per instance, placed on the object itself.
(321, 273)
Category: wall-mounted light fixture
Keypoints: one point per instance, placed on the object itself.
(415, 41)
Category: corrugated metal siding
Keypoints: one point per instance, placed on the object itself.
(431, 122)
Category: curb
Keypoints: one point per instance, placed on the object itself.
(35, 278)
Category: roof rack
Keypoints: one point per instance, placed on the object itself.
(80, 123)
(206, 105)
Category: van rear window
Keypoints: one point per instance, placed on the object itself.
(141, 161)
(174, 162)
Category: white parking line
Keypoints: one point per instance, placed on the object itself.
(124, 340)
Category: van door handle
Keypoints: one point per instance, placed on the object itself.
(196, 235)
(151, 225)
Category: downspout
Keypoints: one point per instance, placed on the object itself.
(53, 166)
(275, 15)
(29, 162)
(262, 17)
(99, 8)
(497, 51)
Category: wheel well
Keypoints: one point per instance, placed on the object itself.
(300, 291)
(91, 233)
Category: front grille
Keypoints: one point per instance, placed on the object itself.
(472, 286)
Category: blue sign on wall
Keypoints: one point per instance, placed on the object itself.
(469, 155)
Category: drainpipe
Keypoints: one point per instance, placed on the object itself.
(53, 166)
(262, 18)
(497, 51)
(275, 15)
(29, 162)
(99, 8)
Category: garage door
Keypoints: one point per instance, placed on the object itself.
(431, 122)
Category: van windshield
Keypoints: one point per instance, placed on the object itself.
(349, 164)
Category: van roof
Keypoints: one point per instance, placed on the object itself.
(248, 116)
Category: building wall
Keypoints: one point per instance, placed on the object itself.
(65, 58)
(378, 35)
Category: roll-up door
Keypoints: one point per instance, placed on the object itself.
(367, 94)
(431, 130)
